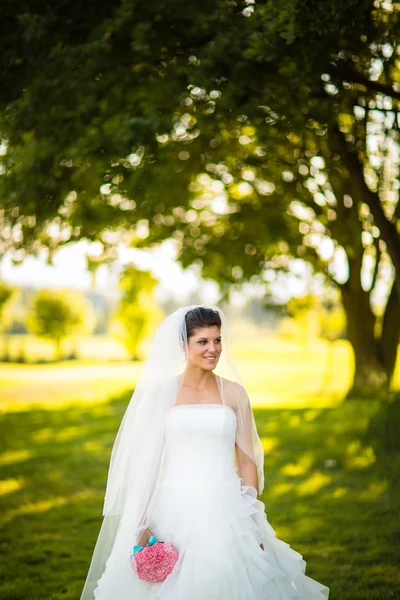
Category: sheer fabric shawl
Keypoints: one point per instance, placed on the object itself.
(139, 448)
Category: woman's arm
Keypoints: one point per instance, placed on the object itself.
(246, 463)
(247, 468)
(144, 538)
(247, 471)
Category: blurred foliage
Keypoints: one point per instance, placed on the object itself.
(269, 130)
(102, 305)
(7, 292)
(58, 314)
(332, 323)
(309, 317)
(133, 109)
(138, 311)
(303, 312)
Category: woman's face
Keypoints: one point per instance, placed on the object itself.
(205, 347)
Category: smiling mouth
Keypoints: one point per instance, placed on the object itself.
(210, 357)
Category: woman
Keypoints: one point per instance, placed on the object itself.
(187, 467)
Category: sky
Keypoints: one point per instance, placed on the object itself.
(69, 270)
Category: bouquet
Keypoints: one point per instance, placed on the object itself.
(154, 561)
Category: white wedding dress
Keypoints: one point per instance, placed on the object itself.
(204, 512)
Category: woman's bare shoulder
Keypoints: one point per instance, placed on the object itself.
(232, 388)
(230, 382)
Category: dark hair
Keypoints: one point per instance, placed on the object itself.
(201, 317)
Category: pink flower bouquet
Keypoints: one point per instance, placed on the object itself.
(155, 561)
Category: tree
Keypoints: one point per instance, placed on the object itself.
(303, 310)
(327, 160)
(291, 110)
(6, 294)
(138, 311)
(57, 314)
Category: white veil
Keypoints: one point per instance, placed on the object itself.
(138, 451)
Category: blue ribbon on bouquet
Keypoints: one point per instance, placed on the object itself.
(151, 541)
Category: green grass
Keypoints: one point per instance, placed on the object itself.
(331, 490)
(33, 348)
(276, 372)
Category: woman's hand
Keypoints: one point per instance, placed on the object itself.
(146, 535)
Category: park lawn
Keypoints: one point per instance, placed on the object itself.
(32, 348)
(275, 371)
(325, 495)
(326, 492)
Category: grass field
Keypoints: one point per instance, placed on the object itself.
(330, 491)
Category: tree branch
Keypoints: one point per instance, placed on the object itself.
(361, 191)
(396, 214)
(377, 261)
(353, 76)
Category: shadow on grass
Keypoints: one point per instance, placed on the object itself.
(326, 494)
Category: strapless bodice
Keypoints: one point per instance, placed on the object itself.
(199, 442)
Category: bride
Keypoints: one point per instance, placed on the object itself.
(187, 467)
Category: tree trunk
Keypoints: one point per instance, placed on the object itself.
(375, 358)
(58, 348)
(6, 348)
(390, 335)
(375, 354)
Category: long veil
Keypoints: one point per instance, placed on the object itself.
(139, 447)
